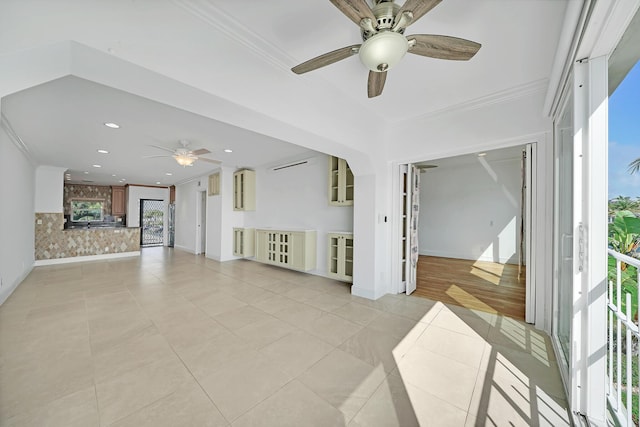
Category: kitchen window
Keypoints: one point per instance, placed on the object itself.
(87, 210)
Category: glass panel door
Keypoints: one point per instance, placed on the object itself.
(151, 222)
(563, 234)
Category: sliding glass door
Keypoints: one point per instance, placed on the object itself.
(563, 235)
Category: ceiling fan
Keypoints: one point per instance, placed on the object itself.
(184, 155)
(384, 45)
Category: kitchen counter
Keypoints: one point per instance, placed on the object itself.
(53, 241)
(94, 225)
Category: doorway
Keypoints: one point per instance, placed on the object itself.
(151, 222)
(472, 227)
(201, 232)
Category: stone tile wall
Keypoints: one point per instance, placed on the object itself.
(53, 242)
(77, 191)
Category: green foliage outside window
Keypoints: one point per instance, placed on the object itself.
(86, 210)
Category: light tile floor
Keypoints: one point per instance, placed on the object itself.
(173, 339)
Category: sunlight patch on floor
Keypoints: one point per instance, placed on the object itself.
(463, 370)
(465, 299)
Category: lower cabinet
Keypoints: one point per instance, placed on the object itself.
(294, 249)
(340, 256)
(243, 242)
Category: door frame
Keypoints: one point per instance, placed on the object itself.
(538, 296)
(201, 203)
(164, 219)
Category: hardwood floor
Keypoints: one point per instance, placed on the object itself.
(479, 285)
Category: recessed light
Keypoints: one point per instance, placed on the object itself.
(113, 174)
(103, 151)
(157, 182)
(228, 150)
(97, 166)
(482, 154)
(112, 125)
(168, 174)
(86, 173)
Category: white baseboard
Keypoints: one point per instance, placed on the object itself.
(186, 249)
(6, 293)
(41, 262)
(364, 293)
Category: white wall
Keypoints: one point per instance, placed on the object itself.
(17, 175)
(297, 197)
(135, 193)
(471, 211)
(49, 189)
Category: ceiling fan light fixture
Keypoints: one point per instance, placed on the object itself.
(383, 51)
(184, 160)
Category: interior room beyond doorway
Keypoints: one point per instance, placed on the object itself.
(471, 231)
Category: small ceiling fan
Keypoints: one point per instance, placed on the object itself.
(384, 45)
(184, 155)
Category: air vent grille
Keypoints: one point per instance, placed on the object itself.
(290, 165)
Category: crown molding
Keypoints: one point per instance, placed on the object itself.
(13, 136)
(499, 97)
(236, 31)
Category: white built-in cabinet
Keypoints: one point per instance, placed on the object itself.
(340, 256)
(340, 182)
(244, 190)
(244, 242)
(294, 249)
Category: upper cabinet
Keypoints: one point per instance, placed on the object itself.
(340, 182)
(214, 184)
(244, 190)
(118, 205)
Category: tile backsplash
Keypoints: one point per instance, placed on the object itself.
(77, 191)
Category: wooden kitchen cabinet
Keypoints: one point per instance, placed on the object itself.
(118, 202)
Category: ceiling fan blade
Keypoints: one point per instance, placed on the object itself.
(153, 157)
(200, 151)
(209, 160)
(356, 10)
(326, 59)
(443, 47)
(417, 7)
(376, 83)
(162, 148)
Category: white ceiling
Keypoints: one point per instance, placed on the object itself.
(502, 154)
(62, 124)
(240, 53)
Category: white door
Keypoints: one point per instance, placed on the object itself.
(413, 198)
(580, 239)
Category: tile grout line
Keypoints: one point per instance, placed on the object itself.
(93, 376)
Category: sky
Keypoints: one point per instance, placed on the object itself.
(624, 135)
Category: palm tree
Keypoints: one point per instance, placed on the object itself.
(634, 166)
(623, 203)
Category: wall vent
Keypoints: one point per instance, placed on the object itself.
(290, 165)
